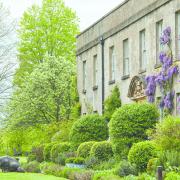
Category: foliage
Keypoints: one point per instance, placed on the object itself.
(167, 134)
(47, 151)
(50, 168)
(91, 162)
(62, 157)
(89, 128)
(84, 149)
(125, 169)
(105, 175)
(79, 160)
(152, 165)
(129, 124)
(75, 160)
(164, 79)
(22, 139)
(63, 134)
(70, 160)
(42, 99)
(140, 153)
(32, 166)
(170, 160)
(102, 151)
(59, 148)
(172, 176)
(112, 103)
(105, 165)
(50, 29)
(37, 152)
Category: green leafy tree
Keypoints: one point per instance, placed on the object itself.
(112, 103)
(46, 95)
(50, 29)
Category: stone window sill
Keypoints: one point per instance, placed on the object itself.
(95, 87)
(125, 77)
(156, 66)
(111, 82)
(141, 71)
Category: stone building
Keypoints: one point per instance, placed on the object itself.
(122, 48)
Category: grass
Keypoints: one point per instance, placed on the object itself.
(27, 176)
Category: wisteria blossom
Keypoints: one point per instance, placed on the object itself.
(164, 78)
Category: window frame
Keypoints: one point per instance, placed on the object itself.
(126, 58)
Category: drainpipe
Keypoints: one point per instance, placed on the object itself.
(102, 55)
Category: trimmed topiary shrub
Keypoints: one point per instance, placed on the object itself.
(84, 149)
(102, 151)
(140, 154)
(89, 128)
(112, 103)
(128, 125)
(47, 151)
(58, 149)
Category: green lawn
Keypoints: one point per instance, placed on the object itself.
(27, 176)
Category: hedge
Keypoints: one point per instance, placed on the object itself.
(128, 125)
(102, 151)
(84, 149)
(89, 128)
(140, 154)
(59, 148)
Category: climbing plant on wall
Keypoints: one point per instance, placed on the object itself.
(164, 78)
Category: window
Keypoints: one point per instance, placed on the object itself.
(159, 47)
(112, 63)
(178, 104)
(84, 75)
(95, 70)
(126, 57)
(178, 34)
(143, 58)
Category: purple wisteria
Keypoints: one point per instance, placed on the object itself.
(164, 79)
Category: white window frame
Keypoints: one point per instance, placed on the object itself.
(177, 34)
(84, 75)
(126, 58)
(143, 52)
(159, 46)
(112, 61)
(95, 70)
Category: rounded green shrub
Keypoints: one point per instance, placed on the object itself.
(128, 125)
(102, 151)
(84, 149)
(47, 151)
(140, 154)
(58, 149)
(89, 128)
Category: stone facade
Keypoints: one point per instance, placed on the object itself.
(123, 25)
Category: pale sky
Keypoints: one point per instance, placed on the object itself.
(88, 11)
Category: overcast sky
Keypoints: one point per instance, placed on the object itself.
(88, 11)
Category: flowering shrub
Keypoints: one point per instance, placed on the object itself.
(164, 79)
